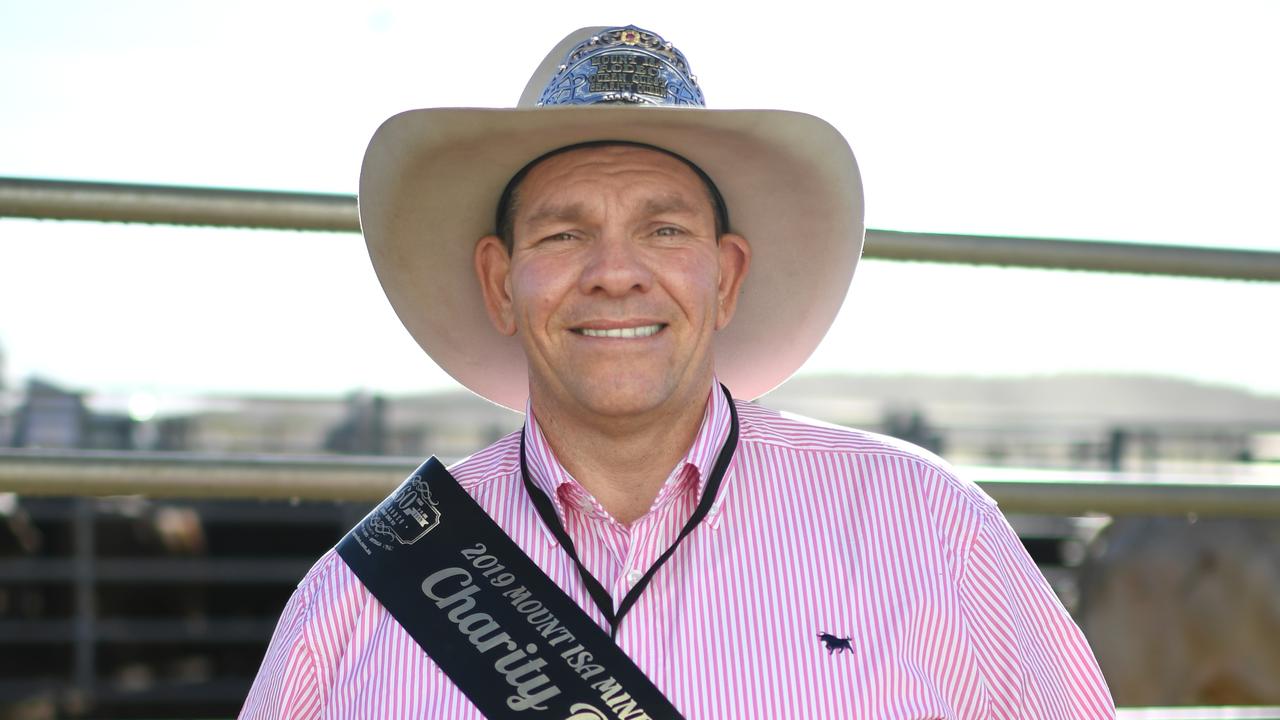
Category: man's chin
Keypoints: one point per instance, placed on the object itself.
(629, 397)
(624, 403)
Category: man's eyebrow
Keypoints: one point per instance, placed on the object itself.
(665, 204)
(574, 211)
(556, 211)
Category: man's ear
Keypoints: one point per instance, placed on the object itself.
(735, 261)
(493, 270)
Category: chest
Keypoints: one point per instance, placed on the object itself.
(739, 623)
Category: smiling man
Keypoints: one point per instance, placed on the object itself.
(615, 280)
(648, 546)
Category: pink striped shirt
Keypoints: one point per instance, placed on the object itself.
(817, 529)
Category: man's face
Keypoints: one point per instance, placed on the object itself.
(616, 282)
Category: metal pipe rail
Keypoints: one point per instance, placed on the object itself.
(1242, 712)
(173, 205)
(183, 475)
(117, 202)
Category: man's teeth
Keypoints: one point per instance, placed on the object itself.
(631, 332)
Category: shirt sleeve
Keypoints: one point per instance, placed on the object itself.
(286, 686)
(1033, 659)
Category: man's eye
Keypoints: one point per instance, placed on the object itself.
(559, 236)
(668, 231)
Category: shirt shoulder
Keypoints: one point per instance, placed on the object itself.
(881, 469)
(501, 459)
(326, 615)
(765, 426)
(333, 594)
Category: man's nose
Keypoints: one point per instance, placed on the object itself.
(615, 266)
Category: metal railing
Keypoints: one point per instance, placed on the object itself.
(170, 205)
(1200, 713)
(115, 202)
(185, 475)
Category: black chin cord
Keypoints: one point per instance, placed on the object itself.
(599, 595)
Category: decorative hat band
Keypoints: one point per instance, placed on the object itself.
(623, 65)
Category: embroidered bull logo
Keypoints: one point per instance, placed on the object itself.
(835, 644)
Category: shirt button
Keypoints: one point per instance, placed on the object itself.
(634, 576)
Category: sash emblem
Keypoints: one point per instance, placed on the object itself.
(409, 514)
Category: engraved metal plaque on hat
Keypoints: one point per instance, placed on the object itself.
(623, 65)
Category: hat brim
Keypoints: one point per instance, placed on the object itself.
(431, 179)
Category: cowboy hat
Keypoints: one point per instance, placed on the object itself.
(431, 180)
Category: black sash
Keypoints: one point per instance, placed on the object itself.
(503, 632)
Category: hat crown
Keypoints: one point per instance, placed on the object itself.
(623, 65)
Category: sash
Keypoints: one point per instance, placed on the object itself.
(505, 634)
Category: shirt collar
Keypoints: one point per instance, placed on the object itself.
(549, 476)
(710, 438)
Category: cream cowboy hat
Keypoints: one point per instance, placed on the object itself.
(432, 178)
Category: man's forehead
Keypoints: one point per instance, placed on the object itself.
(676, 187)
(605, 159)
(511, 204)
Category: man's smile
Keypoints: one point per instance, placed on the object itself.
(633, 331)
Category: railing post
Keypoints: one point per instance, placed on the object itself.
(84, 667)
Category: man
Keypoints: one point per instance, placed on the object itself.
(727, 562)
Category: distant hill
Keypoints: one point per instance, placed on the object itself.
(1060, 400)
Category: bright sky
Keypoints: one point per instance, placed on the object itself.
(1102, 120)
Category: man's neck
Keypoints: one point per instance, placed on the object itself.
(623, 463)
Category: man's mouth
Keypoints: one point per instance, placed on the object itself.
(641, 331)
